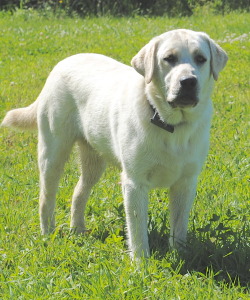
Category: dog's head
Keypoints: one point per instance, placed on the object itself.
(181, 63)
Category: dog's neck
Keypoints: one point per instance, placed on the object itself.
(152, 95)
(156, 120)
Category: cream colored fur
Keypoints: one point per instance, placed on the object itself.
(104, 107)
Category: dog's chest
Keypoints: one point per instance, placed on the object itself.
(162, 176)
(171, 162)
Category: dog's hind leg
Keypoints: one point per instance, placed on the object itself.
(54, 148)
(92, 167)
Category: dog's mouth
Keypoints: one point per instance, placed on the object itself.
(184, 101)
(185, 94)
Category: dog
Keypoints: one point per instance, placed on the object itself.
(152, 120)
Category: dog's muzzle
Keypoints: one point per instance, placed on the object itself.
(186, 95)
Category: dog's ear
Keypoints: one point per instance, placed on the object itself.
(218, 58)
(144, 61)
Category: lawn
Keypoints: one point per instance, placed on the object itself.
(97, 266)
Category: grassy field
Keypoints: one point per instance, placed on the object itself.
(97, 266)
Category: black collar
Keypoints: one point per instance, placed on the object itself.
(156, 120)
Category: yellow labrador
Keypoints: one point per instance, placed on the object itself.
(152, 121)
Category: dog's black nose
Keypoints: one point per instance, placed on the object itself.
(188, 82)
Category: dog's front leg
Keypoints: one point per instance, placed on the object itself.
(182, 196)
(136, 208)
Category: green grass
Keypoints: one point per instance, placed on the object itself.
(97, 266)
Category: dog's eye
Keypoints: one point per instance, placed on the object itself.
(171, 59)
(200, 59)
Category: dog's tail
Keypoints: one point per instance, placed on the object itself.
(22, 118)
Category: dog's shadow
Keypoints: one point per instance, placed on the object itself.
(218, 250)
